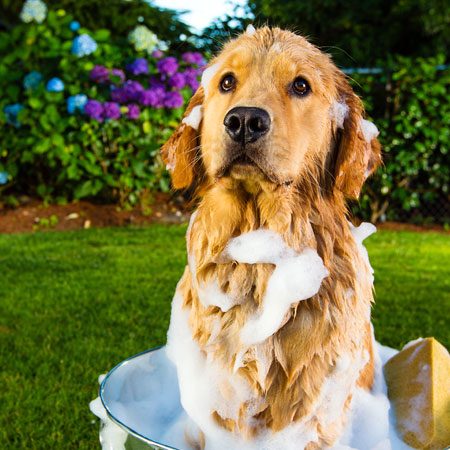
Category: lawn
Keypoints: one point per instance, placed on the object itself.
(74, 304)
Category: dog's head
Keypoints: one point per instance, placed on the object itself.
(273, 108)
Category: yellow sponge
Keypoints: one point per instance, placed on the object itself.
(418, 380)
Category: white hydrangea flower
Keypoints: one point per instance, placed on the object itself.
(143, 39)
(33, 10)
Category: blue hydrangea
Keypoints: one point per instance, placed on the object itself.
(83, 45)
(32, 80)
(143, 39)
(33, 10)
(55, 85)
(74, 25)
(76, 102)
(11, 112)
(3, 177)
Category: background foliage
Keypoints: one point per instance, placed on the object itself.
(120, 16)
(58, 156)
(355, 32)
(410, 103)
(49, 153)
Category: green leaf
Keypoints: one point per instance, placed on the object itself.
(35, 103)
(83, 190)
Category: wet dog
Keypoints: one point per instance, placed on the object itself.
(271, 323)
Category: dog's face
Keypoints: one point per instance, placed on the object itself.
(273, 109)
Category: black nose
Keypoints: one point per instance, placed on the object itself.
(245, 124)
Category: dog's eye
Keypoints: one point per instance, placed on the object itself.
(228, 83)
(300, 86)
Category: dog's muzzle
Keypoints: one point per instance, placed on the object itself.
(246, 124)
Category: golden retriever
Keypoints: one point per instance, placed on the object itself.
(274, 139)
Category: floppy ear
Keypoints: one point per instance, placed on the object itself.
(359, 152)
(180, 152)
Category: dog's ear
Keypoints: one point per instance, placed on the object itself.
(180, 152)
(358, 149)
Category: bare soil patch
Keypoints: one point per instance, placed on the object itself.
(34, 215)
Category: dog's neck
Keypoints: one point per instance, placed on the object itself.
(301, 213)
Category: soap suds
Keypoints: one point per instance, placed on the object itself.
(194, 118)
(143, 401)
(359, 234)
(207, 76)
(296, 277)
(250, 30)
(369, 130)
(338, 113)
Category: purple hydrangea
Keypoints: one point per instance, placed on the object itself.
(133, 111)
(118, 73)
(94, 109)
(191, 78)
(157, 54)
(156, 82)
(153, 97)
(138, 66)
(111, 110)
(167, 66)
(177, 80)
(173, 99)
(99, 74)
(193, 58)
(133, 90)
(160, 93)
(119, 95)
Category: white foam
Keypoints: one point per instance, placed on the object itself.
(370, 131)
(194, 118)
(212, 295)
(148, 402)
(207, 76)
(204, 385)
(338, 113)
(359, 234)
(250, 30)
(296, 277)
(259, 246)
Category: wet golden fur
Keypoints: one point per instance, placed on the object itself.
(307, 166)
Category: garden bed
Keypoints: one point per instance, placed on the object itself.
(33, 215)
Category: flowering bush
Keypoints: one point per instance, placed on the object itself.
(83, 45)
(33, 10)
(83, 115)
(143, 39)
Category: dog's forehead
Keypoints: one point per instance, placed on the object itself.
(276, 53)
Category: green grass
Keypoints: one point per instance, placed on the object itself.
(74, 304)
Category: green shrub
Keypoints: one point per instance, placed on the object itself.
(410, 104)
(58, 151)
